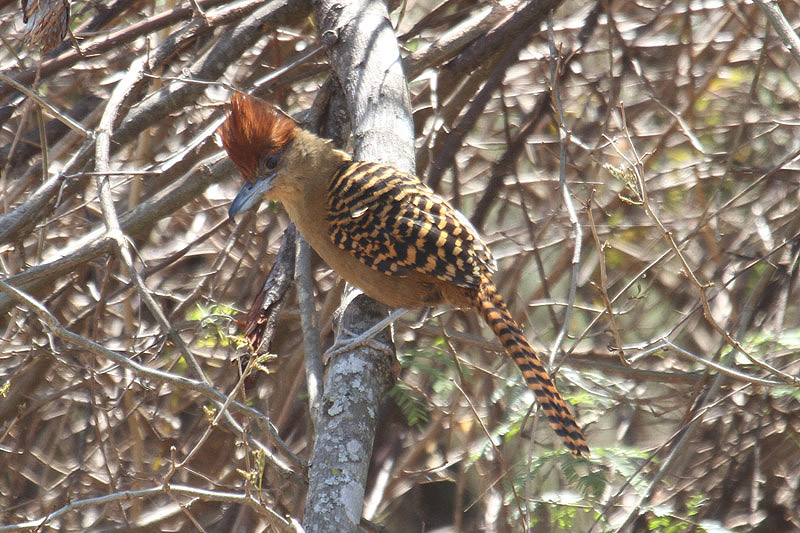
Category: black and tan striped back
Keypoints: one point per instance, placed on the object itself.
(395, 224)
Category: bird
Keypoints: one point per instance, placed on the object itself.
(382, 230)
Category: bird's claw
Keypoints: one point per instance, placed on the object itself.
(347, 340)
(353, 341)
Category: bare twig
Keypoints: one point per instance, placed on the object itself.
(577, 232)
(782, 26)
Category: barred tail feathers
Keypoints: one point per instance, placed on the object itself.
(491, 306)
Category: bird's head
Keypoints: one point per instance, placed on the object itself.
(256, 137)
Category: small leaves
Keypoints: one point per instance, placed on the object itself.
(411, 404)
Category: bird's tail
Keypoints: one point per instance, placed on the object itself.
(491, 306)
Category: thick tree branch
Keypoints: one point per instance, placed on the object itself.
(364, 54)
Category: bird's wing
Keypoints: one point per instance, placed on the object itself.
(395, 224)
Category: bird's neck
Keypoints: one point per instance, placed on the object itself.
(313, 161)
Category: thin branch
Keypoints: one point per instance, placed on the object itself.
(782, 27)
(142, 494)
(577, 231)
(55, 327)
(312, 357)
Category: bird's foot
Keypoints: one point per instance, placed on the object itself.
(347, 340)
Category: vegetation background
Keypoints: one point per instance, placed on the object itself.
(633, 166)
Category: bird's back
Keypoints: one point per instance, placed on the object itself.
(396, 225)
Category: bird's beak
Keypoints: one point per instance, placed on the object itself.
(250, 195)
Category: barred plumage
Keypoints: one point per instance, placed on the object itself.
(382, 230)
(491, 306)
(395, 224)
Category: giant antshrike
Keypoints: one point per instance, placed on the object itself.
(382, 230)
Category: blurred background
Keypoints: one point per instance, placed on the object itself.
(632, 165)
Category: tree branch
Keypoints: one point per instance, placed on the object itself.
(363, 51)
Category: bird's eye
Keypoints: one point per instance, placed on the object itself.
(272, 162)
